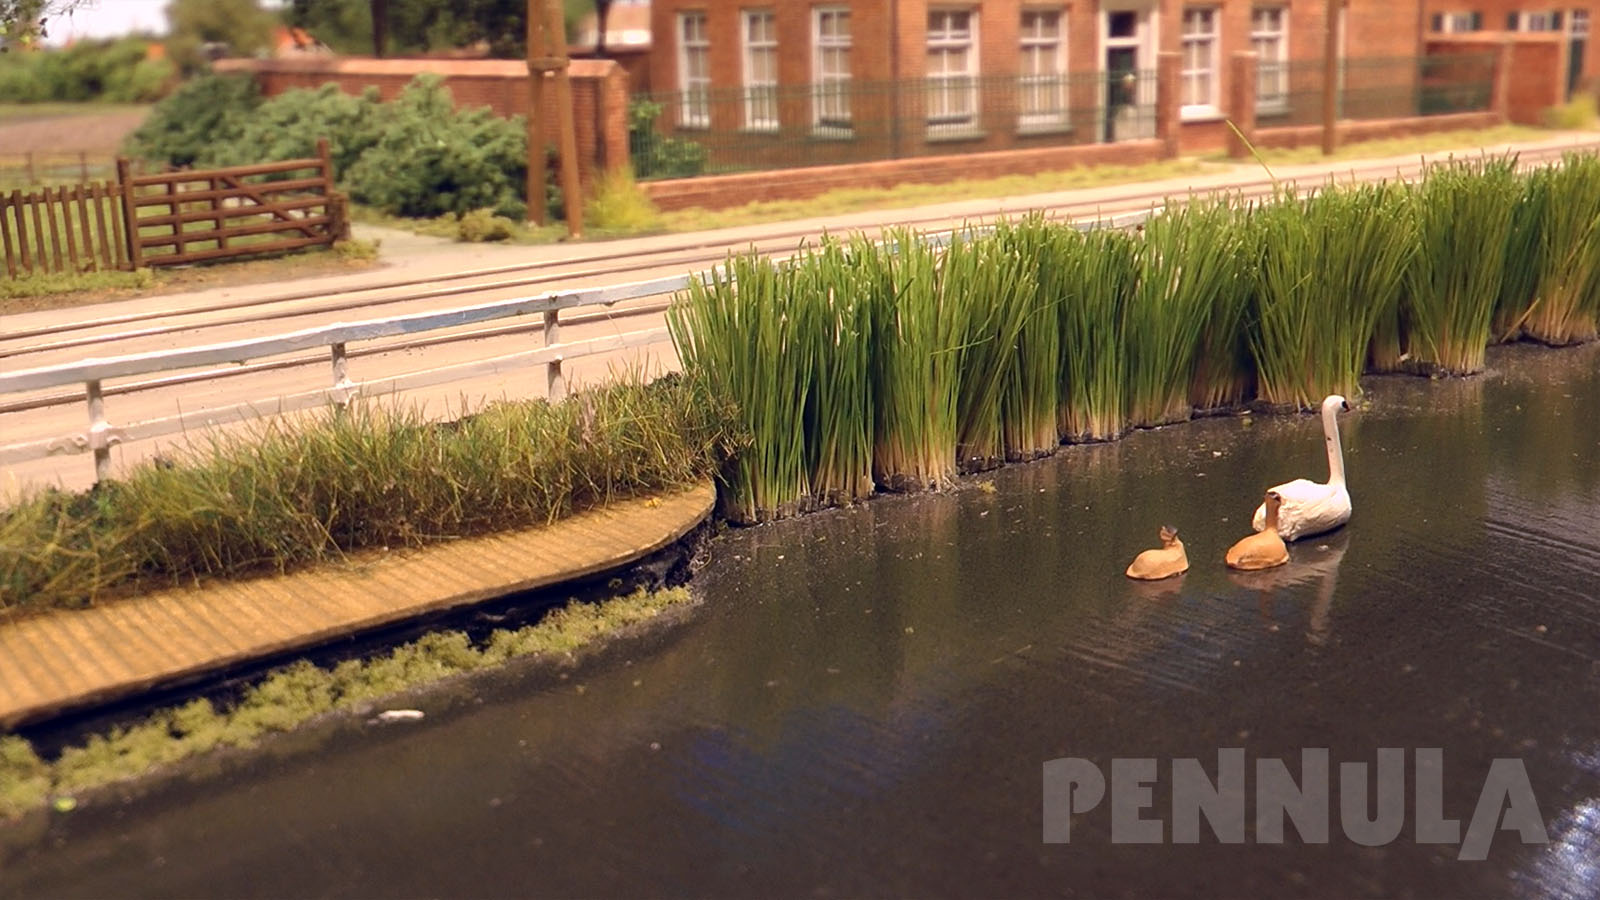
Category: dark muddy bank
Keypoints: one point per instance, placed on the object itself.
(865, 703)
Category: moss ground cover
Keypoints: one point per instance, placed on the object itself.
(293, 695)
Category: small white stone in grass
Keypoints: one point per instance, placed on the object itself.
(400, 715)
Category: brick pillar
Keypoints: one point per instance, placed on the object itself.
(612, 141)
(1168, 124)
(1500, 99)
(1242, 103)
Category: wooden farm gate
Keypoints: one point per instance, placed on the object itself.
(175, 218)
(172, 218)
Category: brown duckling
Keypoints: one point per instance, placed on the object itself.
(1163, 562)
(1265, 548)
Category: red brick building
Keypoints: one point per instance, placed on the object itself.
(963, 75)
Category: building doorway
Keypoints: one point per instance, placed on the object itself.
(1127, 63)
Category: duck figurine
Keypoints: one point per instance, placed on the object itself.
(1264, 549)
(1163, 562)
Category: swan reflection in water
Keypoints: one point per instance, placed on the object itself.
(1311, 561)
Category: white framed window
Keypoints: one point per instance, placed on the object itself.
(1534, 21)
(830, 67)
(1578, 23)
(1269, 38)
(694, 71)
(1457, 22)
(1043, 79)
(760, 37)
(1200, 55)
(952, 71)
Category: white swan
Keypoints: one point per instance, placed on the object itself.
(1308, 507)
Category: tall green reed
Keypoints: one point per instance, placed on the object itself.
(1032, 393)
(1525, 239)
(1190, 259)
(832, 299)
(991, 290)
(738, 328)
(1097, 272)
(1568, 261)
(1463, 212)
(1330, 267)
(916, 380)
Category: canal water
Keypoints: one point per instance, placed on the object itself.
(865, 702)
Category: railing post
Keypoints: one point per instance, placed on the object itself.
(556, 388)
(130, 213)
(341, 376)
(1242, 100)
(98, 440)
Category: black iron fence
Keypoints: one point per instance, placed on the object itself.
(714, 130)
(1376, 88)
(718, 130)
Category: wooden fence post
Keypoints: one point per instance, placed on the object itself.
(130, 213)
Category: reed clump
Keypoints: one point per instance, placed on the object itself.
(974, 348)
(293, 493)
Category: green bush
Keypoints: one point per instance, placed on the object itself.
(206, 113)
(432, 159)
(114, 71)
(655, 156)
(482, 225)
(288, 125)
(1578, 114)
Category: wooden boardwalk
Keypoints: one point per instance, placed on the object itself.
(69, 659)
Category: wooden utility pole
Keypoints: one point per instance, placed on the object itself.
(1330, 79)
(547, 53)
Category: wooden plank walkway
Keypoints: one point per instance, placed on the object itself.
(70, 659)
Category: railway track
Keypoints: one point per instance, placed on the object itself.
(92, 336)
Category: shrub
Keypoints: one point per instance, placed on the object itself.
(656, 156)
(483, 225)
(1578, 114)
(618, 203)
(210, 110)
(288, 125)
(432, 159)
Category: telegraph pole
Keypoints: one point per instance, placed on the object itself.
(547, 52)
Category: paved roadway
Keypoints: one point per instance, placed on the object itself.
(427, 265)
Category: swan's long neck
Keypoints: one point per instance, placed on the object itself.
(1330, 436)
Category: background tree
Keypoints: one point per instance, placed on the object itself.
(22, 22)
(400, 27)
(242, 25)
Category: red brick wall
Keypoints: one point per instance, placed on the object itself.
(718, 191)
(599, 92)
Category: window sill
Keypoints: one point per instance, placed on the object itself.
(759, 129)
(1272, 112)
(1200, 114)
(940, 134)
(832, 133)
(1031, 129)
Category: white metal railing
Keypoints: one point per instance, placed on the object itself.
(92, 373)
